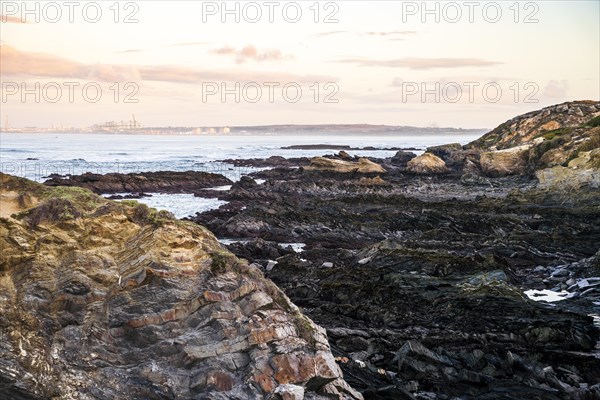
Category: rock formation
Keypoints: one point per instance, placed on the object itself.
(401, 158)
(545, 138)
(427, 164)
(363, 165)
(105, 300)
(511, 161)
(524, 128)
(161, 182)
(581, 172)
(421, 283)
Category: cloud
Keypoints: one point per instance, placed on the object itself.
(21, 63)
(556, 89)
(391, 35)
(180, 44)
(193, 76)
(330, 33)
(397, 82)
(462, 80)
(131, 51)
(11, 20)
(188, 44)
(250, 52)
(15, 62)
(422, 63)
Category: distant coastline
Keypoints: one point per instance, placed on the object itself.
(263, 130)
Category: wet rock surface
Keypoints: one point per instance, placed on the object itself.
(423, 279)
(421, 283)
(161, 182)
(104, 300)
(423, 291)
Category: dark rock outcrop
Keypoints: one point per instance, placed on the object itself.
(401, 158)
(423, 293)
(161, 182)
(421, 282)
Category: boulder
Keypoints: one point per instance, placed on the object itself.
(427, 164)
(554, 157)
(289, 392)
(345, 156)
(445, 151)
(401, 158)
(512, 161)
(245, 183)
(331, 165)
(582, 171)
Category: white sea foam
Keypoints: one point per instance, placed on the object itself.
(547, 295)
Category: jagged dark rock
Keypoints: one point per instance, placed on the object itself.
(420, 282)
(401, 158)
(161, 182)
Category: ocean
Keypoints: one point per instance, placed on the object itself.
(35, 156)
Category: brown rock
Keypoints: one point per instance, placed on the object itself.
(550, 126)
(511, 161)
(427, 164)
(583, 171)
(344, 156)
(524, 128)
(376, 181)
(554, 157)
(331, 165)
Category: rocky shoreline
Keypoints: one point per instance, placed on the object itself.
(420, 270)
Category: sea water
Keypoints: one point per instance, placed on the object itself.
(38, 155)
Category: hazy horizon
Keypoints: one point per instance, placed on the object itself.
(198, 64)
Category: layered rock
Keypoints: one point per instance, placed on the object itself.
(541, 139)
(363, 165)
(104, 300)
(162, 182)
(454, 155)
(581, 172)
(427, 163)
(512, 161)
(524, 128)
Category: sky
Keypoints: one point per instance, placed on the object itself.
(469, 64)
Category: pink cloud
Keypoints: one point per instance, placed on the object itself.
(11, 20)
(423, 63)
(250, 52)
(18, 63)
